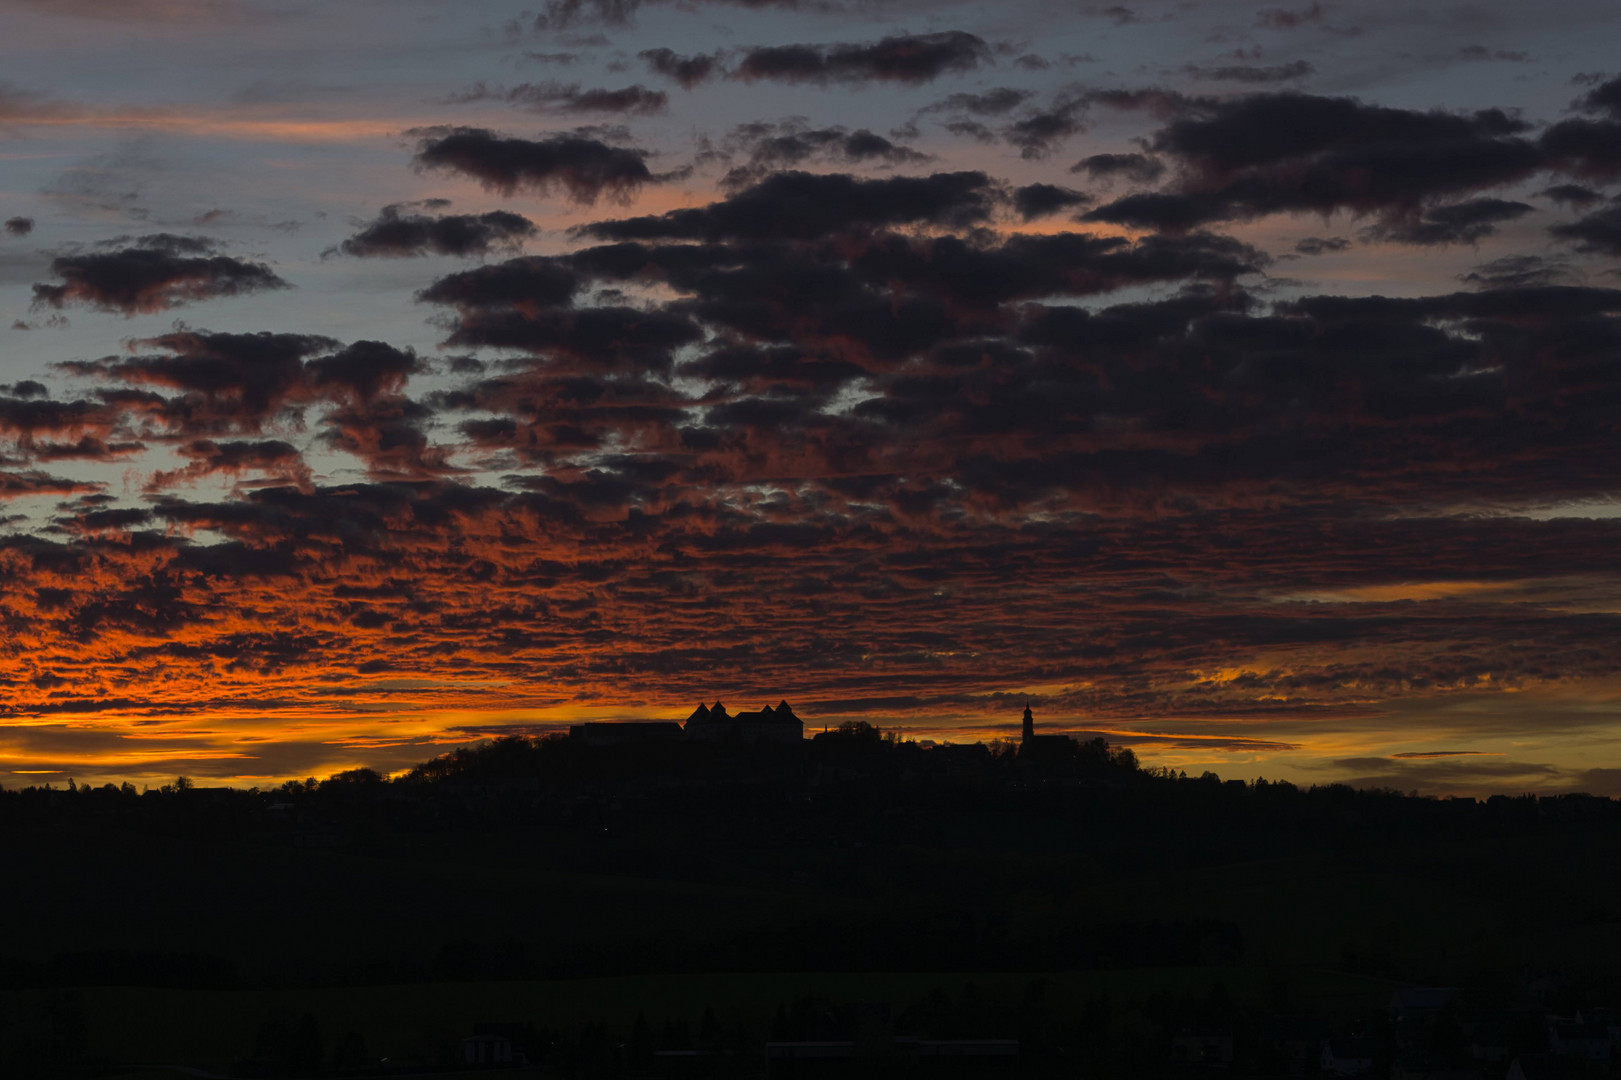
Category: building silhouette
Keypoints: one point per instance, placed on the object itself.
(767, 725)
(772, 724)
(1049, 750)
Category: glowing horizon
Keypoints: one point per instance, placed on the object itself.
(1236, 384)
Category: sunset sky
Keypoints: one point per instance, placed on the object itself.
(1239, 381)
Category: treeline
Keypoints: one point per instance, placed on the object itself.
(851, 775)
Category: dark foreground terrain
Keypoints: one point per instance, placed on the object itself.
(690, 911)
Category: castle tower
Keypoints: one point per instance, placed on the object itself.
(1029, 723)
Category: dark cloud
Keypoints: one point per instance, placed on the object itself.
(584, 169)
(771, 147)
(1290, 152)
(1451, 773)
(566, 14)
(32, 420)
(593, 339)
(553, 57)
(15, 485)
(396, 233)
(86, 448)
(1118, 14)
(806, 206)
(1040, 200)
(904, 58)
(1455, 223)
(1040, 132)
(363, 370)
(971, 129)
(525, 284)
(1598, 232)
(227, 383)
(1061, 264)
(686, 71)
(152, 273)
(1288, 18)
(759, 370)
(1480, 52)
(1139, 168)
(1590, 149)
(1251, 73)
(1002, 100)
(525, 304)
(555, 96)
(1518, 271)
(389, 434)
(1572, 195)
(1605, 97)
(1322, 245)
(278, 462)
(19, 226)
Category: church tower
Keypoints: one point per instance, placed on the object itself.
(1029, 723)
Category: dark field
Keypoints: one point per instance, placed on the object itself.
(1090, 915)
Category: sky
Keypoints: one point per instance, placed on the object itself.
(1238, 381)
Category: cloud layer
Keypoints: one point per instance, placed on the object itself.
(906, 375)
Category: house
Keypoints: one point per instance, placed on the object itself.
(1490, 1035)
(1210, 1047)
(767, 725)
(1575, 1039)
(1610, 1021)
(487, 1050)
(1353, 1056)
(497, 1044)
(1416, 1012)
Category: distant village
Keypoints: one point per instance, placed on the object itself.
(1424, 1033)
(771, 725)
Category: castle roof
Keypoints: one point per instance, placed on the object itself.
(782, 713)
(769, 715)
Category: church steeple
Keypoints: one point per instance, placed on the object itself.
(1029, 723)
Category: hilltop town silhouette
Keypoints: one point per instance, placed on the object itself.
(723, 896)
(779, 726)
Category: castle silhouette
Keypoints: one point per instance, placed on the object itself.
(708, 723)
(765, 725)
(776, 725)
